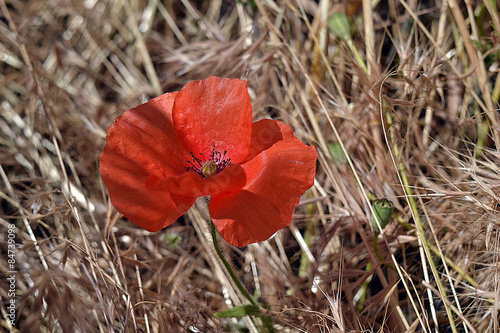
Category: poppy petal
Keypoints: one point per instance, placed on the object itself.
(146, 135)
(276, 178)
(191, 184)
(265, 133)
(140, 143)
(244, 217)
(214, 113)
(151, 209)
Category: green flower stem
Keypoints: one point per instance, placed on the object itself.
(304, 260)
(365, 288)
(416, 216)
(265, 319)
(357, 56)
(237, 282)
(375, 247)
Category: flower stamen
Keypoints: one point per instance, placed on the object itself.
(215, 163)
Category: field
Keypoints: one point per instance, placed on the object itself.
(400, 98)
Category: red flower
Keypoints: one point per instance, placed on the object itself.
(160, 156)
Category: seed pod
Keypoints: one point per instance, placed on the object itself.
(384, 209)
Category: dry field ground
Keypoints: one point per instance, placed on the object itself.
(399, 97)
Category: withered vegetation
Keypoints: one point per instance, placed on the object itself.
(413, 119)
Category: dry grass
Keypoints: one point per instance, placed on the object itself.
(420, 127)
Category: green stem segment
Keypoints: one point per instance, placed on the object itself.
(237, 282)
(267, 321)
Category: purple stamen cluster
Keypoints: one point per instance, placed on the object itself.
(215, 163)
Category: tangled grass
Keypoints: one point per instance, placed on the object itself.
(402, 106)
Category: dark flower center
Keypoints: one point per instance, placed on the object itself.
(215, 163)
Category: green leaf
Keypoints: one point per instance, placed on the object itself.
(337, 153)
(249, 2)
(172, 239)
(339, 25)
(383, 208)
(238, 312)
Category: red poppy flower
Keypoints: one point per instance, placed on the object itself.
(160, 156)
